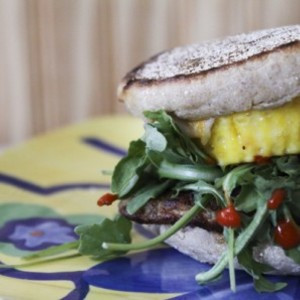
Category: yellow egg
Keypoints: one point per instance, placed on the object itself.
(242, 136)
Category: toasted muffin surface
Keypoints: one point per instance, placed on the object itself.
(238, 73)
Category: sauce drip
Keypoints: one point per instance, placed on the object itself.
(228, 217)
(261, 160)
(287, 234)
(276, 199)
(107, 199)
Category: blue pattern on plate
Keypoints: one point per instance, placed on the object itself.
(160, 271)
(41, 190)
(156, 271)
(37, 233)
(104, 146)
(168, 271)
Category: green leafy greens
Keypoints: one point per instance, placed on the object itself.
(92, 236)
(256, 269)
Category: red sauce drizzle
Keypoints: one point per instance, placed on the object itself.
(261, 160)
(228, 217)
(210, 161)
(287, 234)
(107, 199)
(276, 199)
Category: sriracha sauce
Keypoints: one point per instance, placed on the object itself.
(228, 217)
(287, 234)
(261, 160)
(276, 199)
(107, 199)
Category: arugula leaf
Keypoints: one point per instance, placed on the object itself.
(247, 198)
(90, 240)
(288, 164)
(201, 188)
(294, 203)
(37, 262)
(176, 138)
(255, 269)
(161, 120)
(54, 250)
(188, 172)
(263, 184)
(245, 258)
(91, 237)
(264, 285)
(146, 193)
(294, 254)
(156, 158)
(265, 233)
(232, 178)
(230, 255)
(154, 139)
(126, 173)
(165, 125)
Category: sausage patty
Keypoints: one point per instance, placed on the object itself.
(167, 210)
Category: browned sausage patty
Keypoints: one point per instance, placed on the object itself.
(167, 210)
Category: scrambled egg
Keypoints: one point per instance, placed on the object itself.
(242, 136)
